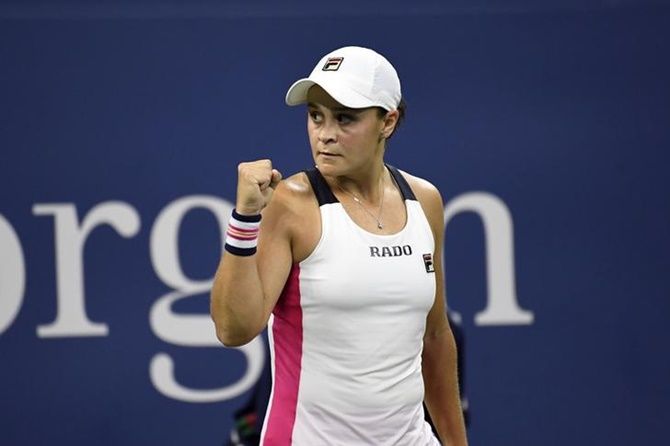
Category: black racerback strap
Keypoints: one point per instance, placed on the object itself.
(400, 180)
(323, 193)
(325, 196)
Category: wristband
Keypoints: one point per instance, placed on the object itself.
(242, 234)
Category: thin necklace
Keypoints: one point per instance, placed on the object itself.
(360, 203)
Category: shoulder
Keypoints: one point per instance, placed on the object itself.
(426, 192)
(430, 199)
(291, 201)
(293, 215)
(294, 189)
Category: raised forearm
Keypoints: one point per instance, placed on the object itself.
(237, 301)
(238, 298)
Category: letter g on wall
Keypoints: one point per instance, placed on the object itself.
(70, 236)
(189, 330)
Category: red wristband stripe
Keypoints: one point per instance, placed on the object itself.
(242, 236)
(237, 228)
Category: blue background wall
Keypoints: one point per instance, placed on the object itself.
(559, 109)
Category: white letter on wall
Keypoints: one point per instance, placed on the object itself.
(12, 275)
(189, 330)
(502, 307)
(70, 239)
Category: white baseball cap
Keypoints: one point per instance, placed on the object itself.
(355, 77)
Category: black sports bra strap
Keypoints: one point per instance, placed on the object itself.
(323, 193)
(400, 180)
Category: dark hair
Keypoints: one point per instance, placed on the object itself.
(402, 109)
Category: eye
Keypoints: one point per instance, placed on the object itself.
(345, 118)
(315, 116)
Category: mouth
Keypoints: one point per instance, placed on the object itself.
(328, 154)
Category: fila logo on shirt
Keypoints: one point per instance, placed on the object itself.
(428, 263)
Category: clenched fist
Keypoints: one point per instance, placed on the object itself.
(256, 181)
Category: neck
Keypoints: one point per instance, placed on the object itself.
(367, 186)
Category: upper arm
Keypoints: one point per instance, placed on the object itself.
(273, 257)
(280, 226)
(433, 207)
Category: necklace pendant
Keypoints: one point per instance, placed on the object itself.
(380, 226)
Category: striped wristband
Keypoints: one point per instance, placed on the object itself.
(242, 234)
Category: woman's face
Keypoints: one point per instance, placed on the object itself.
(344, 140)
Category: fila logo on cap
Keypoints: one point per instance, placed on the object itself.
(332, 64)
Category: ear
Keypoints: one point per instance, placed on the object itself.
(389, 123)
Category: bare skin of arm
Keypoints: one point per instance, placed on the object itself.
(439, 348)
(246, 289)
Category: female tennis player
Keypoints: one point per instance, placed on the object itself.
(342, 262)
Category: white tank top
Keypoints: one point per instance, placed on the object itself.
(347, 333)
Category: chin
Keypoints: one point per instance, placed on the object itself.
(329, 169)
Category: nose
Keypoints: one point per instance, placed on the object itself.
(327, 132)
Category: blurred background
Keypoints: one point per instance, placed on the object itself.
(545, 124)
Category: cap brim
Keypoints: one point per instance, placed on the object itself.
(297, 94)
